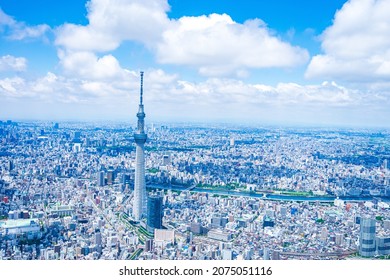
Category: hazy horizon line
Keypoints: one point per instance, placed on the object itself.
(208, 122)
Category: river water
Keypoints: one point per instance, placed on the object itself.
(270, 196)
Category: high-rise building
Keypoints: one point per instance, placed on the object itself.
(149, 245)
(98, 237)
(265, 254)
(139, 203)
(100, 179)
(383, 245)
(275, 255)
(155, 214)
(367, 246)
(10, 165)
(110, 177)
(227, 254)
(125, 181)
(232, 141)
(283, 211)
(166, 160)
(339, 238)
(324, 234)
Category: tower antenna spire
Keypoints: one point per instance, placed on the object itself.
(142, 87)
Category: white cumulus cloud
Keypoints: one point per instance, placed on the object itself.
(356, 47)
(89, 66)
(113, 21)
(9, 62)
(11, 86)
(16, 30)
(218, 45)
(214, 44)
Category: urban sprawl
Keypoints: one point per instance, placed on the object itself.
(215, 192)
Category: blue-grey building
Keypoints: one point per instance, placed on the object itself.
(383, 245)
(154, 213)
(367, 246)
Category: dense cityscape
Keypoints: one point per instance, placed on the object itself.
(259, 144)
(215, 192)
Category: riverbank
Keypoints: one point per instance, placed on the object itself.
(268, 196)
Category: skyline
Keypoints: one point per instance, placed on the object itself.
(286, 63)
(225, 194)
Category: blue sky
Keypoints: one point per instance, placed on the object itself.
(264, 62)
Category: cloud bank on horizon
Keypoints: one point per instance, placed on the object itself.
(198, 67)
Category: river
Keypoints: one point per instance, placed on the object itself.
(269, 196)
